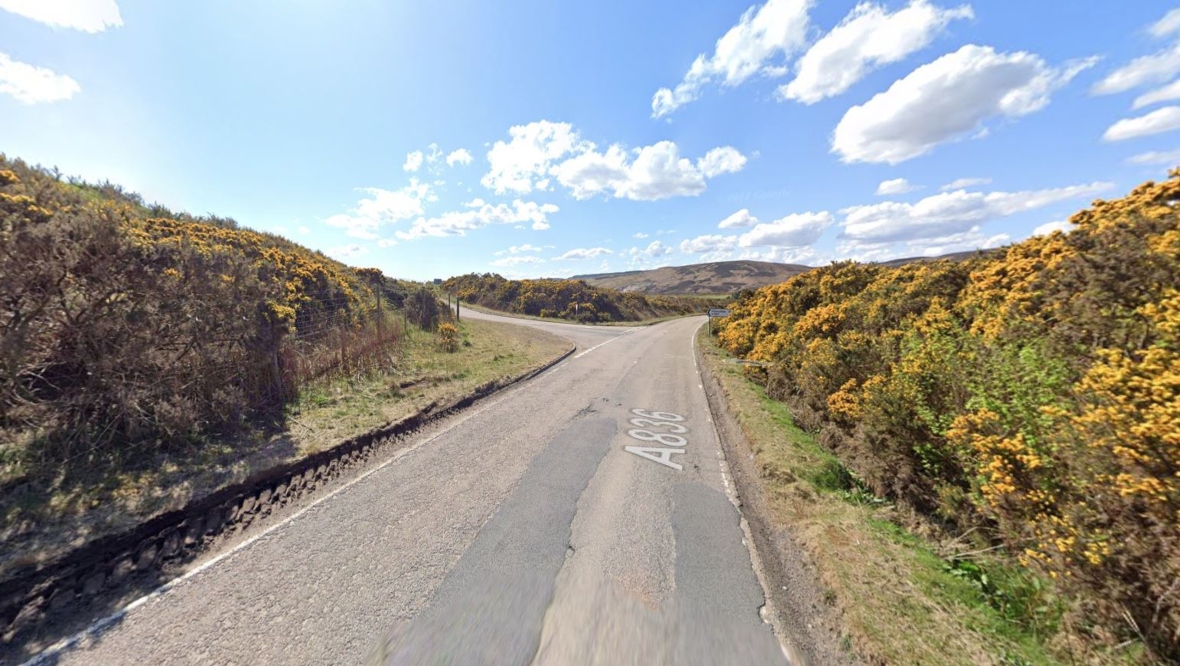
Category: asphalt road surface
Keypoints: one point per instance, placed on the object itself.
(581, 517)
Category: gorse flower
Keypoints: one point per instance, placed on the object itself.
(1041, 381)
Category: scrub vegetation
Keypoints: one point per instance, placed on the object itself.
(1024, 404)
(149, 357)
(568, 299)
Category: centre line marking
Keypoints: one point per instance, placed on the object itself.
(601, 344)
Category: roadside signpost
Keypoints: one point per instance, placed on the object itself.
(716, 312)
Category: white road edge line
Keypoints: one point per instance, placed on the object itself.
(101, 624)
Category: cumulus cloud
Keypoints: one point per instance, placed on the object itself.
(346, 252)
(725, 159)
(971, 239)
(521, 164)
(1162, 94)
(460, 156)
(1049, 227)
(1146, 70)
(583, 253)
(709, 243)
(32, 85)
(517, 260)
(382, 207)
(650, 256)
(961, 183)
(868, 38)
(796, 230)
(1160, 120)
(1155, 157)
(413, 161)
(807, 256)
(895, 186)
(639, 234)
(657, 249)
(947, 99)
(742, 218)
(518, 249)
(542, 151)
(1168, 25)
(1151, 69)
(762, 36)
(949, 213)
(458, 223)
(86, 15)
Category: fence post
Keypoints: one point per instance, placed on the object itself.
(380, 319)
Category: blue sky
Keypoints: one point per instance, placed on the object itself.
(536, 138)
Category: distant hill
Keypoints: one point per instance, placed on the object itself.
(722, 277)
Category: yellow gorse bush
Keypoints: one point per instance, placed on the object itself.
(1040, 381)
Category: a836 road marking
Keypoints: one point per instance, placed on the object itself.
(660, 427)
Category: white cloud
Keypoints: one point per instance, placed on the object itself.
(944, 215)
(386, 242)
(657, 249)
(85, 15)
(413, 160)
(639, 234)
(518, 165)
(583, 253)
(796, 230)
(304, 230)
(725, 159)
(1049, 227)
(345, 252)
(709, 243)
(1146, 70)
(1160, 120)
(1162, 94)
(945, 100)
(742, 218)
(961, 183)
(458, 223)
(1168, 25)
(460, 156)
(516, 261)
(31, 85)
(541, 151)
(807, 256)
(382, 207)
(518, 249)
(866, 39)
(656, 172)
(895, 186)
(777, 28)
(971, 239)
(651, 256)
(1155, 157)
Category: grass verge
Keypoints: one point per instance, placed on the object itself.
(44, 518)
(902, 598)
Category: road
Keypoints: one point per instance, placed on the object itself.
(581, 517)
